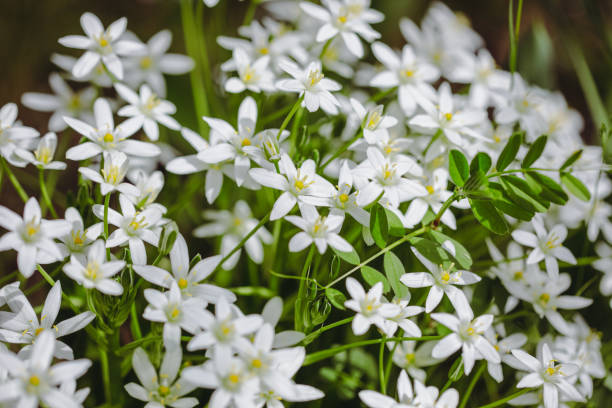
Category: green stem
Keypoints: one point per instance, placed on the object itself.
(106, 204)
(310, 338)
(45, 193)
(134, 325)
(381, 371)
(382, 94)
(379, 253)
(14, 181)
(299, 302)
(244, 240)
(470, 388)
(519, 13)
(137, 343)
(322, 355)
(389, 361)
(444, 207)
(506, 399)
(342, 149)
(294, 109)
(105, 375)
(191, 44)
(325, 47)
(248, 17)
(512, 36)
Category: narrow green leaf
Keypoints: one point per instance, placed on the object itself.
(522, 194)
(571, 160)
(480, 163)
(394, 271)
(458, 167)
(509, 153)
(396, 228)
(430, 250)
(503, 203)
(575, 186)
(372, 277)
(336, 298)
(551, 190)
(489, 217)
(349, 257)
(378, 225)
(462, 256)
(535, 151)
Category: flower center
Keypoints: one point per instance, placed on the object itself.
(518, 275)
(343, 197)
(163, 390)
(43, 155)
(34, 380)
(248, 75)
(448, 116)
(256, 363)
(137, 223)
(430, 189)
(407, 73)
(146, 62)
(108, 138)
(111, 175)
(182, 283)
(175, 313)
(314, 77)
(544, 298)
(38, 331)
(92, 269)
(264, 51)
(152, 102)
(245, 142)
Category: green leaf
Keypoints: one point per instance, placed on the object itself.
(394, 271)
(336, 298)
(349, 257)
(430, 250)
(535, 151)
(378, 225)
(509, 153)
(475, 181)
(372, 277)
(396, 228)
(334, 267)
(551, 190)
(489, 217)
(461, 254)
(503, 203)
(481, 163)
(522, 194)
(458, 167)
(571, 160)
(575, 186)
(456, 371)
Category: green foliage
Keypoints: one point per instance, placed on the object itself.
(372, 277)
(394, 269)
(458, 167)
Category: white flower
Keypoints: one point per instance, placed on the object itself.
(387, 179)
(175, 312)
(486, 81)
(342, 19)
(111, 175)
(322, 231)
(100, 44)
(521, 105)
(604, 265)
(232, 384)
(94, 272)
(344, 201)
(225, 330)
(312, 85)
(468, 335)
(22, 326)
(154, 62)
(64, 102)
(36, 380)
(106, 137)
(437, 194)
(441, 280)
(546, 246)
(43, 154)
(149, 186)
(147, 110)
(411, 359)
(369, 307)
(503, 346)
(98, 76)
(240, 146)
(446, 117)
(233, 227)
(409, 73)
(189, 280)
(252, 75)
(422, 396)
(375, 125)
(271, 314)
(133, 227)
(296, 184)
(550, 376)
(31, 236)
(13, 135)
(79, 238)
(191, 164)
(163, 389)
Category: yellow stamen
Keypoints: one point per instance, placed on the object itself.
(108, 138)
(471, 331)
(175, 313)
(448, 116)
(408, 73)
(34, 380)
(430, 189)
(544, 298)
(182, 283)
(234, 378)
(518, 275)
(38, 331)
(164, 390)
(256, 363)
(146, 62)
(245, 142)
(264, 51)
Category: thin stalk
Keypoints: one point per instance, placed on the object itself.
(45, 193)
(389, 361)
(299, 302)
(250, 13)
(294, 109)
(105, 374)
(381, 370)
(106, 204)
(342, 149)
(309, 339)
(506, 399)
(379, 253)
(275, 115)
(244, 240)
(444, 207)
(382, 94)
(22, 194)
(322, 355)
(134, 325)
(191, 44)
(325, 47)
(470, 388)
(512, 36)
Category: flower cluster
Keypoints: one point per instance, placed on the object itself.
(430, 147)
